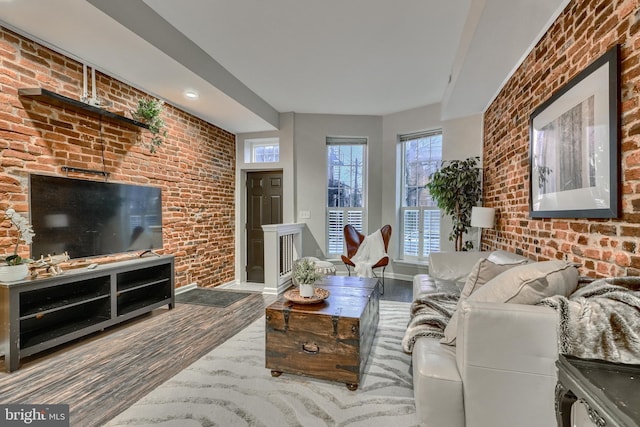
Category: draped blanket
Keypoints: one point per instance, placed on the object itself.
(430, 313)
(370, 251)
(599, 321)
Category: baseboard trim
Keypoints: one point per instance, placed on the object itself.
(183, 289)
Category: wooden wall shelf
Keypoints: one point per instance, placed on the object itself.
(52, 98)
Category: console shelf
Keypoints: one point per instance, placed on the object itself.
(52, 98)
(39, 314)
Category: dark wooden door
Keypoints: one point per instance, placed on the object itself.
(264, 206)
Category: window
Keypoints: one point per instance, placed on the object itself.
(420, 217)
(262, 150)
(345, 189)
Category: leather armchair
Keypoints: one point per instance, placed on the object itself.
(353, 239)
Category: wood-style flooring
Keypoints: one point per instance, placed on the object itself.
(103, 374)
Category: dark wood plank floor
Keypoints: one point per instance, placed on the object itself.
(102, 375)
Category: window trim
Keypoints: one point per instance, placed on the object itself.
(402, 139)
(348, 141)
(251, 144)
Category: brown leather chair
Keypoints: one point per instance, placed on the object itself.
(354, 239)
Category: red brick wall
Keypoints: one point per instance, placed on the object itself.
(195, 167)
(585, 30)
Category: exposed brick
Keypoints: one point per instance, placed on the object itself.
(581, 33)
(195, 167)
(606, 229)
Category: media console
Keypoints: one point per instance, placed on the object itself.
(38, 314)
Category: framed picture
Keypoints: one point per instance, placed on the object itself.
(574, 155)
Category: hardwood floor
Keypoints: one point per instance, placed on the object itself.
(102, 375)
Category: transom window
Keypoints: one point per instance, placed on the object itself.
(262, 150)
(419, 215)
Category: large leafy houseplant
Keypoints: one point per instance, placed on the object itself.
(456, 188)
(149, 112)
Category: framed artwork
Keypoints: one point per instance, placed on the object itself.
(574, 140)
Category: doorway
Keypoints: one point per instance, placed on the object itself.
(264, 206)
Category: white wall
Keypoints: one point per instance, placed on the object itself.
(461, 138)
(286, 165)
(310, 135)
(304, 163)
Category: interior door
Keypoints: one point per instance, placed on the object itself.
(264, 206)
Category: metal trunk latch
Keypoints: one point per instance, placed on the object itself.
(334, 320)
(286, 312)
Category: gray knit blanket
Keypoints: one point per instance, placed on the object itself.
(599, 321)
(430, 313)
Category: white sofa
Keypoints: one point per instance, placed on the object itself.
(501, 373)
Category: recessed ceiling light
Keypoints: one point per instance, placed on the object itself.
(191, 94)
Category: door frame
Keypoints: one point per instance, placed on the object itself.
(241, 214)
(267, 190)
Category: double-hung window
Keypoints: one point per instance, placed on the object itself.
(419, 214)
(346, 175)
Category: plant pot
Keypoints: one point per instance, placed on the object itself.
(306, 290)
(13, 273)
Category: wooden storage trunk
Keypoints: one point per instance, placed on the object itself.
(330, 340)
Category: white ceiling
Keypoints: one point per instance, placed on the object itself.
(252, 59)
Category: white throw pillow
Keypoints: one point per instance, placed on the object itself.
(483, 271)
(523, 284)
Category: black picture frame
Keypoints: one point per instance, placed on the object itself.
(574, 146)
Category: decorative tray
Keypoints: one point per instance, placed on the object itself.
(293, 295)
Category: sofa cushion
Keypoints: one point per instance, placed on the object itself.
(522, 284)
(437, 386)
(454, 267)
(424, 283)
(505, 257)
(482, 272)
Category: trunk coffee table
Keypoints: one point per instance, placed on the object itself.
(329, 340)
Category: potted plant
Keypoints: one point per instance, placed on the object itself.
(15, 267)
(149, 112)
(305, 275)
(456, 188)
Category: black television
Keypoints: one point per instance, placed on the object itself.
(93, 218)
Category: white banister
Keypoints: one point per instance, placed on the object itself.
(282, 246)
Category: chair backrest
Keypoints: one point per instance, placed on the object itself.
(354, 238)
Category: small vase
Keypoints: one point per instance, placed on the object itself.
(306, 290)
(13, 273)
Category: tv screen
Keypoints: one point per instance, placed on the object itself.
(93, 218)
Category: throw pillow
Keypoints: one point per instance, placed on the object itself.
(483, 271)
(525, 284)
(530, 283)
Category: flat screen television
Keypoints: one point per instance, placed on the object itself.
(93, 218)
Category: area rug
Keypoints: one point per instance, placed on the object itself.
(231, 387)
(210, 297)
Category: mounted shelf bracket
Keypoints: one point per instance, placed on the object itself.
(68, 169)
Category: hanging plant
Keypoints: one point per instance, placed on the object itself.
(149, 112)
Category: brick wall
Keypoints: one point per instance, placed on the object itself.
(584, 31)
(195, 167)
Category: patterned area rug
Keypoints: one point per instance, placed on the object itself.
(231, 387)
(210, 297)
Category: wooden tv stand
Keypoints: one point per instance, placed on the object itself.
(38, 314)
